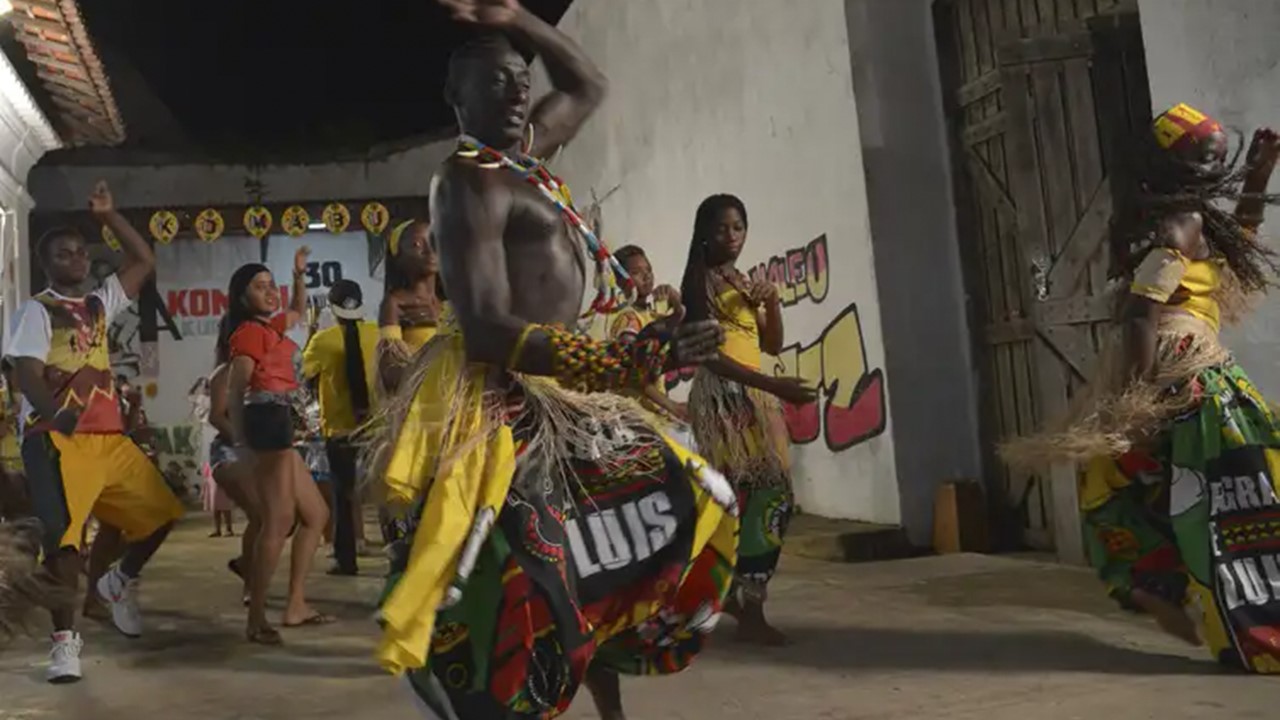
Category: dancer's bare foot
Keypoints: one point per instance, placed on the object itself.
(215, 533)
(1170, 617)
(263, 634)
(753, 628)
(606, 691)
(733, 608)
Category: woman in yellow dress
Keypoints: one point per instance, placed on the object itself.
(1178, 497)
(412, 308)
(733, 406)
(411, 304)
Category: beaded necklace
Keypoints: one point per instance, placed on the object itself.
(614, 287)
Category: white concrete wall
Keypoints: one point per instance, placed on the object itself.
(1224, 58)
(25, 136)
(755, 98)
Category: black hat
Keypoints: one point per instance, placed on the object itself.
(346, 299)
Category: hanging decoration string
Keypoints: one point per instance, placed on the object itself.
(614, 287)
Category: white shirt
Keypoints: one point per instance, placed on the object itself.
(33, 334)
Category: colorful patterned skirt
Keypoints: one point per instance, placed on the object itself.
(551, 531)
(742, 433)
(1194, 518)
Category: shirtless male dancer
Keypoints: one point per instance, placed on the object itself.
(517, 429)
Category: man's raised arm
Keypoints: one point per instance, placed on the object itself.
(578, 86)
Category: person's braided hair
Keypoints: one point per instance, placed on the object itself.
(1165, 184)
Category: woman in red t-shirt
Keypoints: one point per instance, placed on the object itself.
(263, 375)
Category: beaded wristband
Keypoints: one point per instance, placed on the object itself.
(587, 365)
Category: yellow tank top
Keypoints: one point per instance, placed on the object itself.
(416, 337)
(741, 333)
(1172, 279)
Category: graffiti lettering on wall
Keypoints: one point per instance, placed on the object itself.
(178, 453)
(851, 405)
(131, 355)
(851, 409)
(799, 274)
(124, 343)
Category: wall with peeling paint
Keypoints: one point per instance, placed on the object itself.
(755, 98)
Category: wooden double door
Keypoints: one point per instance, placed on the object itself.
(1042, 97)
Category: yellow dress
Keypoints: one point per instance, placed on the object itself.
(1179, 481)
(742, 432)
(416, 337)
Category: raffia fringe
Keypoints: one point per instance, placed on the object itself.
(755, 455)
(561, 424)
(1111, 414)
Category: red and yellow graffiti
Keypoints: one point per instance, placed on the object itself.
(852, 408)
(851, 405)
(801, 273)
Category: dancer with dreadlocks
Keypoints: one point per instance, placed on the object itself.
(561, 536)
(733, 406)
(1181, 451)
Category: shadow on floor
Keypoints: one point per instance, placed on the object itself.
(835, 648)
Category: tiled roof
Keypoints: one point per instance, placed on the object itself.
(69, 68)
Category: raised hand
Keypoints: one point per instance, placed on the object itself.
(692, 343)
(763, 292)
(667, 294)
(1264, 150)
(696, 342)
(490, 13)
(100, 200)
(300, 259)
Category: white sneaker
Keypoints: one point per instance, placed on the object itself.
(64, 659)
(120, 593)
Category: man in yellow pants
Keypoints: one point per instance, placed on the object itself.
(78, 460)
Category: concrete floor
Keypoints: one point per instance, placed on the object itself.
(959, 637)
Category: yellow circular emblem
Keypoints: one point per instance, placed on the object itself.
(295, 220)
(163, 226)
(257, 221)
(209, 225)
(336, 217)
(374, 217)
